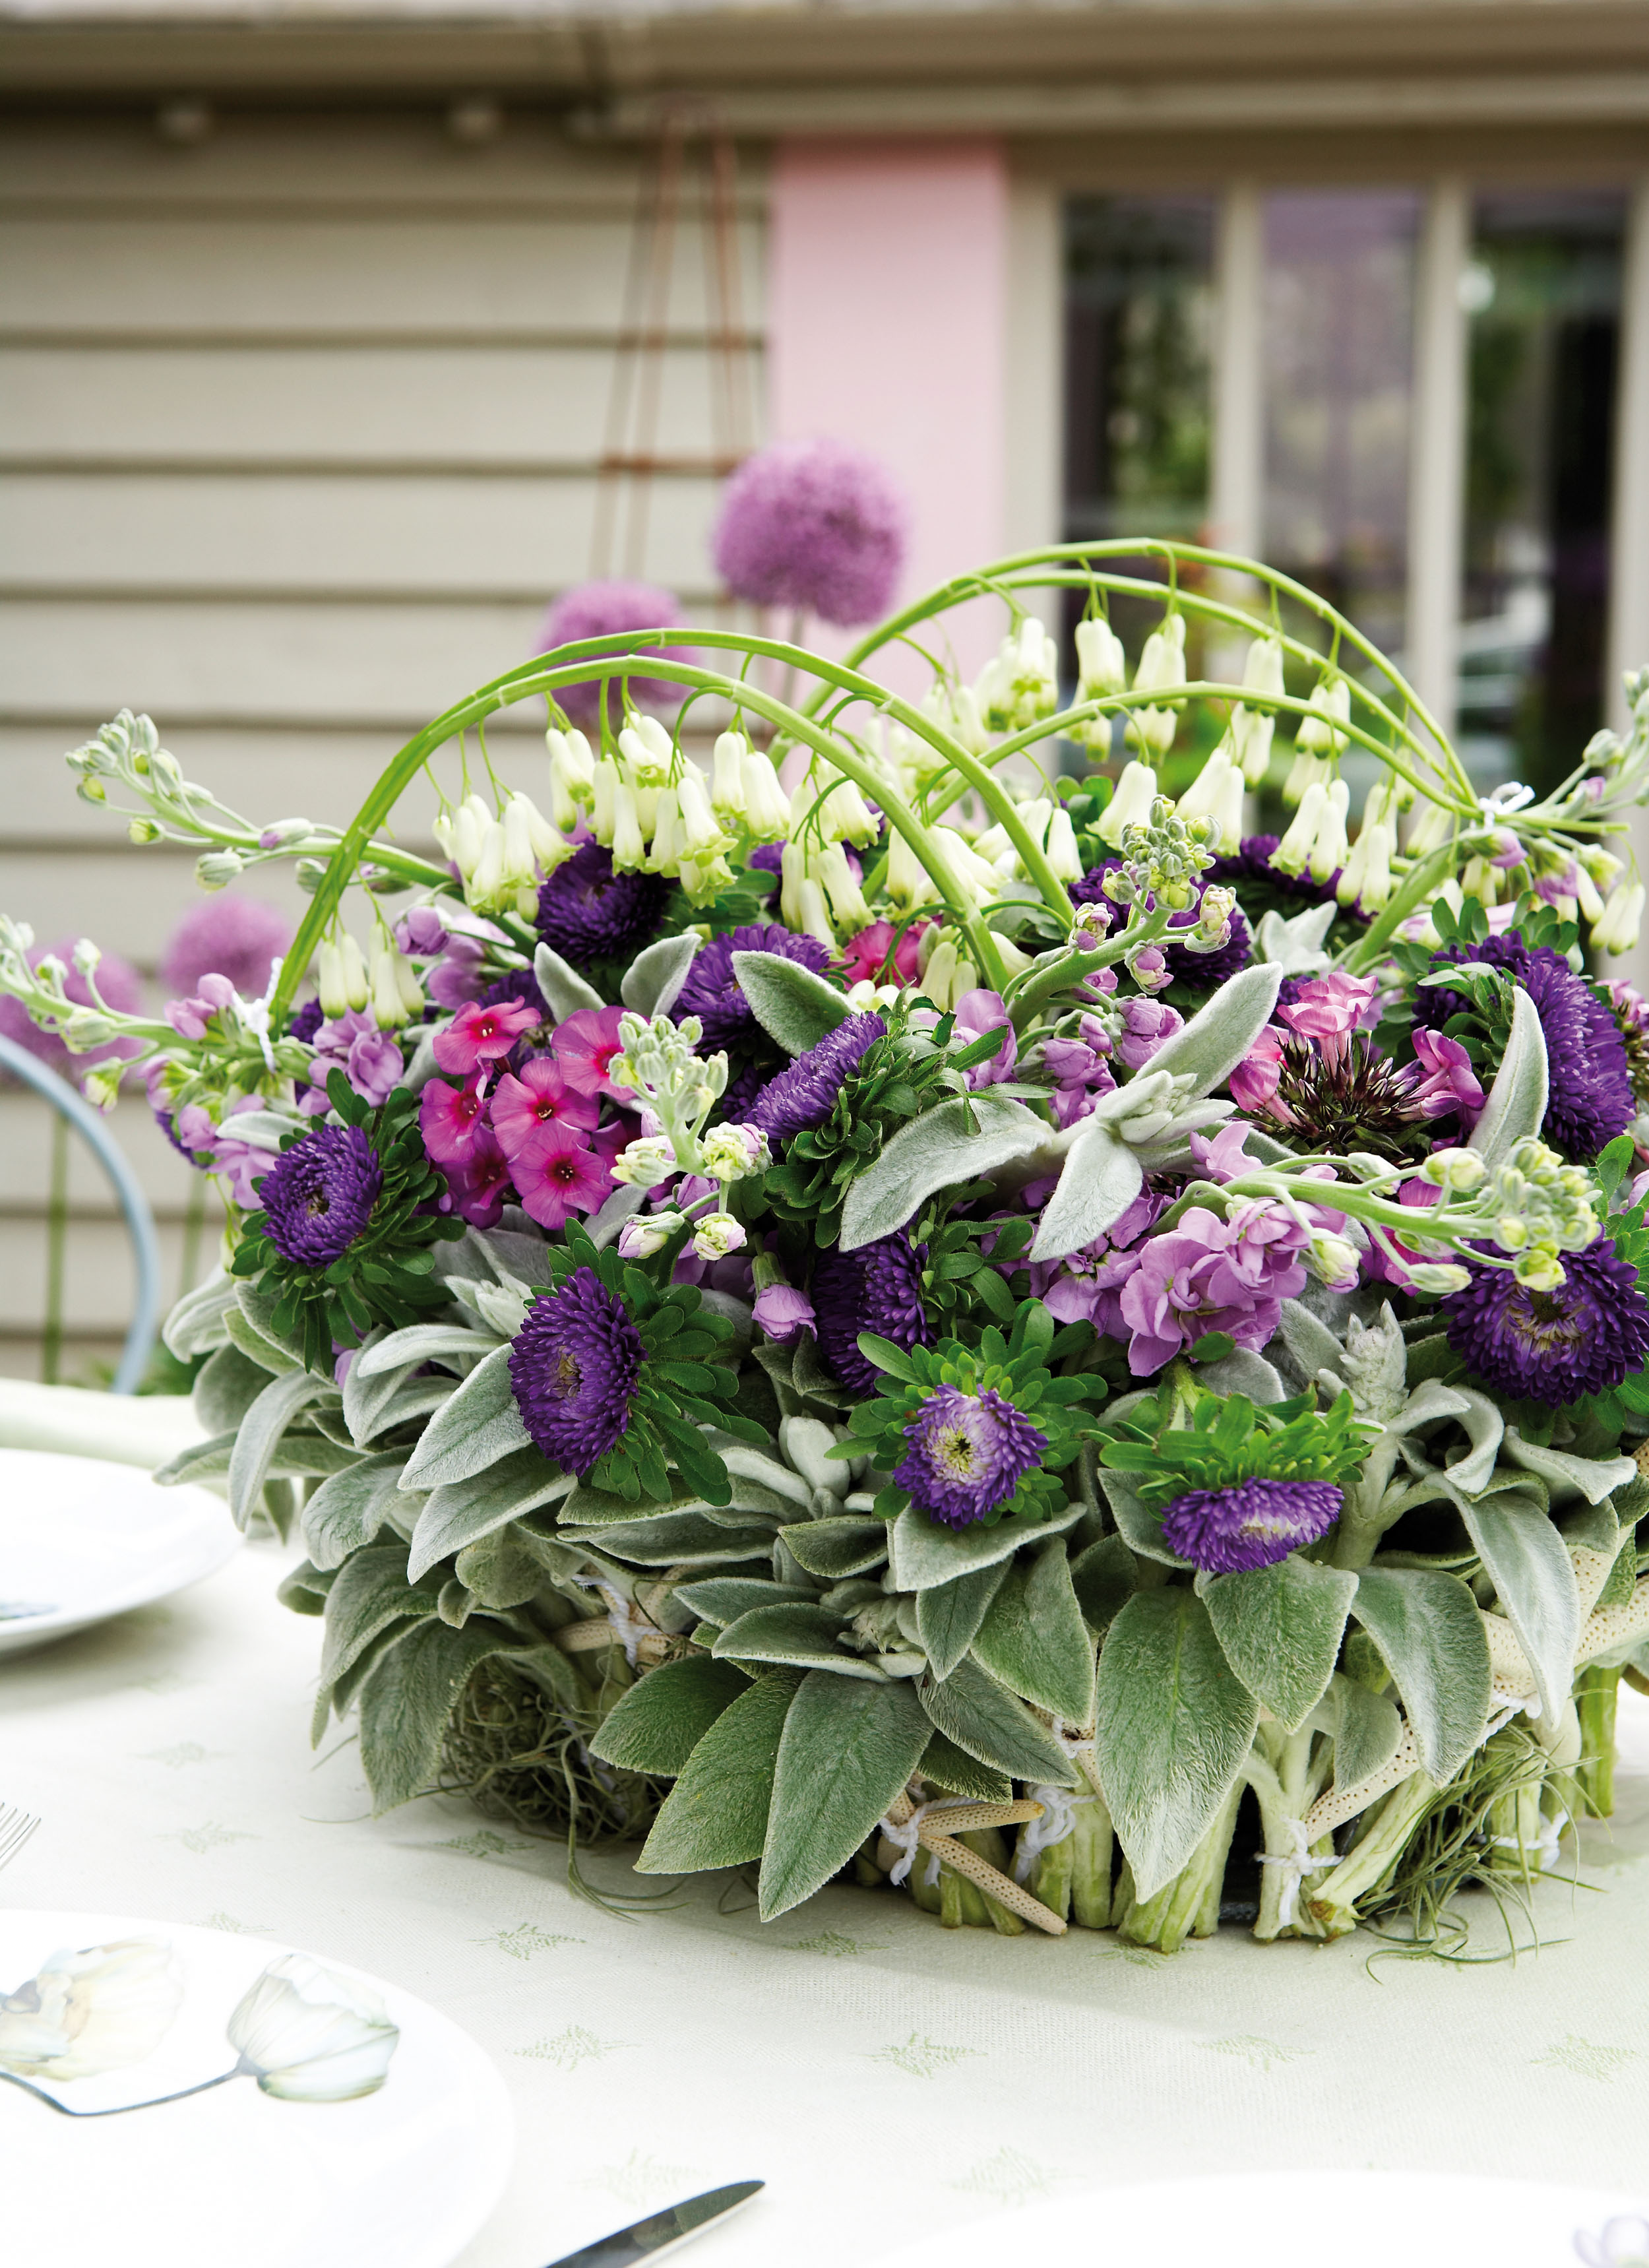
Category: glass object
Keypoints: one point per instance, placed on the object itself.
(1138, 296)
(1339, 360)
(1542, 297)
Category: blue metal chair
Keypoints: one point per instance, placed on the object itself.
(140, 1221)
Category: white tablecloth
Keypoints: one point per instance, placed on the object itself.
(886, 2077)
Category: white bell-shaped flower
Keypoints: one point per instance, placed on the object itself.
(1216, 794)
(1252, 729)
(1131, 806)
(1161, 669)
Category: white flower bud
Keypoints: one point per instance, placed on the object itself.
(1102, 664)
(1161, 668)
(1130, 806)
(648, 751)
(1063, 854)
(814, 919)
(1330, 849)
(330, 972)
(639, 1238)
(1333, 1259)
(907, 882)
(730, 1153)
(766, 806)
(645, 1163)
(1251, 729)
(847, 900)
(727, 789)
(717, 1236)
(938, 978)
(1429, 829)
(603, 796)
(215, 870)
(629, 849)
(1622, 919)
(1330, 704)
(86, 956)
(101, 1086)
(1454, 1169)
(1439, 1276)
(665, 856)
(700, 834)
(352, 966)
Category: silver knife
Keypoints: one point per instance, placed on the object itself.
(645, 2239)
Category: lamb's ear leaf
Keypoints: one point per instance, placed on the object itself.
(409, 1695)
(259, 1436)
(987, 1721)
(948, 1615)
(1034, 1640)
(657, 1724)
(716, 1813)
(471, 1430)
(1173, 1723)
(789, 1001)
(846, 1753)
(1280, 1629)
(956, 1141)
(1517, 1101)
(657, 975)
(1366, 1731)
(1534, 1578)
(1430, 1636)
(561, 986)
(1100, 1178)
(1209, 1049)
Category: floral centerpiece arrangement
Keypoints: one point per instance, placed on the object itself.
(908, 1300)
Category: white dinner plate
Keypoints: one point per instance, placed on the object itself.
(81, 1540)
(1294, 2220)
(235, 2175)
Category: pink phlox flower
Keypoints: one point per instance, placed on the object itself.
(451, 1119)
(781, 1312)
(236, 938)
(585, 1045)
(481, 1033)
(556, 1175)
(865, 956)
(527, 1109)
(371, 1060)
(1449, 1082)
(1254, 1081)
(477, 1186)
(978, 1013)
(1147, 1025)
(1328, 1009)
(456, 978)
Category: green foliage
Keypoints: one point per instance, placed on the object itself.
(1231, 1439)
(1019, 1366)
(386, 1276)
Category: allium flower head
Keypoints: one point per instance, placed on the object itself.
(318, 1195)
(598, 611)
(813, 525)
(587, 913)
(1591, 1091)
(1553, 1346)
(968, 1454)
(712, 990)
(1251, 1523)
(227, 935)
(878, 1288)
(804, 1093)
(573, 1367)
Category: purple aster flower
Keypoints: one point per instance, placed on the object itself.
(711, 991)
(573, 1368)
(229, 936)
(968, 1453)
(1206, 971)
(1585, 1337)
(804, 1093)
(768, 859)
(603, 610)
(1250, 1524)
(318, 1195)
(306, 1020)
(588, 913)
(878, 1288)
(1590, 1084)
(811, 525)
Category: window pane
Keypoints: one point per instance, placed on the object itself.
(1339, 357)
(1543, 296)
(1138, 273)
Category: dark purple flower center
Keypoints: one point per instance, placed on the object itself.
(712, 992)
(879, 1289)
(588, 912)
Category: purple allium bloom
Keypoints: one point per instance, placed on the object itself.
(586, 912)
(118, 981)
(573, 1368)
(601, 610)
(1585, 1337)
(811, 525)
(711, 991)
(229, 936)
(1207, 971)
(804, 1093)
(879, 1289)
(1252, 1523)
(1591, 1085)
(968, 1453)
(318, 1195)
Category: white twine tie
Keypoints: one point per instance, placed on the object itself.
(1296, 1863)
(1549, 1840)
(625, 1620)
(905, 1839)
(1058, 1820)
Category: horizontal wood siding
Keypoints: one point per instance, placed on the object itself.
(299, 432)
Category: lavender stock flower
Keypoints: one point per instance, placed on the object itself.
(1252, 1523)
(573, 1367)
(879, 1289)
(968, 1454)
(318, 1195)
(804, 1093)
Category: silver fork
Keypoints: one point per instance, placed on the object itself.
(15, 1827)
